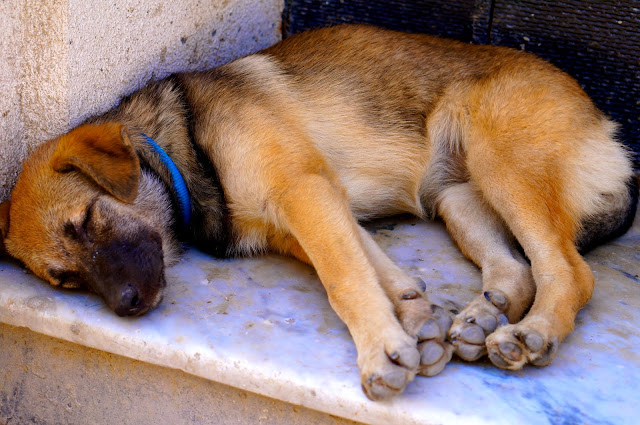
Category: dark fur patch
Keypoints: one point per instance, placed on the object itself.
(214, 241)
(163, 111)
(602, 228)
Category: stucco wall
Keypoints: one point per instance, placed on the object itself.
(64, 60)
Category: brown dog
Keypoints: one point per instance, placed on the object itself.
(287, 149)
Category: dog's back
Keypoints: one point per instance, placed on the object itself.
(408, 101)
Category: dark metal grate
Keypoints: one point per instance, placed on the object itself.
(453, 19)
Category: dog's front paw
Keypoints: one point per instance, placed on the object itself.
(475, 322)
(513, 346)
(388, 368)
(429, 323)
(435, 351)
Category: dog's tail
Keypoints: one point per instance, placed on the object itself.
(606, 225)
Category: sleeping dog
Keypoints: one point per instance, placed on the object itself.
(286, 150)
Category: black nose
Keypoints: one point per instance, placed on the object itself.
(130, 302)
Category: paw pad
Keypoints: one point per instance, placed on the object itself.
(431, 352)
(476, 321)
(533, 341)
(511, 351)
(429, 330)
(435, 353)
(407, 357)
(471, 334)
(513, 347)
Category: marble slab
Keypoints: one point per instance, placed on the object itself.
(264, 325)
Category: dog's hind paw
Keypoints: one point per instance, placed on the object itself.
(513, 346)
(475, 322)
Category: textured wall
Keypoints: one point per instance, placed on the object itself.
(64, 60)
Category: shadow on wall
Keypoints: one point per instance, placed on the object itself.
(61, 62)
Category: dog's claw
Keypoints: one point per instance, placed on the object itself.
(408, 357)
(497, 298)
(410, 295)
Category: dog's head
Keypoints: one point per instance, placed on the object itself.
(75, 219)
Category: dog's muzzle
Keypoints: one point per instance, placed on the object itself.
(129, 273)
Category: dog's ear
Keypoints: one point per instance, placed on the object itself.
(4, 225)
(104, 154)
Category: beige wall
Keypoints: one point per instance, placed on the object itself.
(64, 60)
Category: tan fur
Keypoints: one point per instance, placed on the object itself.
(345, 124)
(113, 166)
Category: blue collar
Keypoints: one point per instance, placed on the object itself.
(179, 186)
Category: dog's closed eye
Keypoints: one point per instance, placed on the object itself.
(79, 229)
(65, 278)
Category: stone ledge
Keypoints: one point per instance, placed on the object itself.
(264, 325)
(49, 381)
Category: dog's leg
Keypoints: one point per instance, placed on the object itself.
(534, 211)
(564, 284)
(426, 321)
(317, 214)
(507, 284)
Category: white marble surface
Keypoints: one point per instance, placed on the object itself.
(264, 325)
